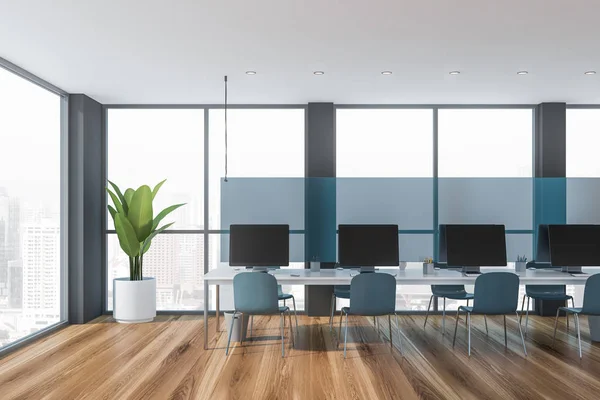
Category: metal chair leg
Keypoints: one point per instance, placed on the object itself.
(487, 332)
(455, 327)
(242, 329)
(251, 324)
(555, 326)
(340, 329)
(527, 317)
(469, 323)
(282, 326)
(346, 336)
(399, 336)
(291, 329)
(230, 332)
(444, 318)
(390, 331)
(522, 309)
(521, 332)
(332, 311)
(505, 337)
(295, 314)
(376, 324)
(427, 313)
(578, 334)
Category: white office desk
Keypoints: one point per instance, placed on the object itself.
(411, 276)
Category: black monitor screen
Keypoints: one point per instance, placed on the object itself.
(543, 245)
(475, 245)
(368, 245)
(574, 245)
(259, 245)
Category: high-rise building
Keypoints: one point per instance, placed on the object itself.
(15, 284)
(41, 268)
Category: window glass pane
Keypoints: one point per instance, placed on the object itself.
(485, 143)
(384, 143)
(146, 146)
(177, 263)
(583, 141)
(168, 144)
(30, 252)
(262, 143)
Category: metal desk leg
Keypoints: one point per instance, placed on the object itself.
(205, 315)
(217, 308)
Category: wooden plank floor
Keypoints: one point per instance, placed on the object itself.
(166, 360)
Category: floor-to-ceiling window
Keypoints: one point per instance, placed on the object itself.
(31, 246)
(146, 146)
(485, 167)
(582, 172)
(385, 169)
(262, 144)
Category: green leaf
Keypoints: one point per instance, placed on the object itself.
(126, 234)
(140, 212)
(164, 213)
(112, 211)
(129, 195)
(156, 188)
(147, 242)
(116, 201)
(121, 197)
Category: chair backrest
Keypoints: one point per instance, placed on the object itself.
(255, 293)
(591, 296)
(373, 294)
(496, 293)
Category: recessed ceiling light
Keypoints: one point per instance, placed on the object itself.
(590, 72)
(386, 72)
(454, 72)
(522, 72)
(250, 72)
(319, 73)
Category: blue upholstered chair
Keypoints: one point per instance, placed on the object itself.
(255, 293)
(496, 293)
(591, 306)
(453, 292)
(544, 292)
(372, 295)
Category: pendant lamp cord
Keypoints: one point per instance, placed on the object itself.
(225, 128)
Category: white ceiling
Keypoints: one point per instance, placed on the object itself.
(159, 51)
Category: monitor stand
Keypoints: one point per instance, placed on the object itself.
(257, 269)
(571, 270)
(471, 270)
(366, 269)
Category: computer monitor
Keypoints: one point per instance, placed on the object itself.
(368, 246)
(542, 254)
(259, 245)
(574, 246)
(473, 246)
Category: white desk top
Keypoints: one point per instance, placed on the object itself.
(410, 276)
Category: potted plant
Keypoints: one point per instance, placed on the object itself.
(134, 298)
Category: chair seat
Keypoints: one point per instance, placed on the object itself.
(550, 296)
(259, 312)
(572, 310)
(465, 308)
(284, 296)
(456, 295)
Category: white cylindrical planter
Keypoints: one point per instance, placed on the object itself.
(134, 301)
